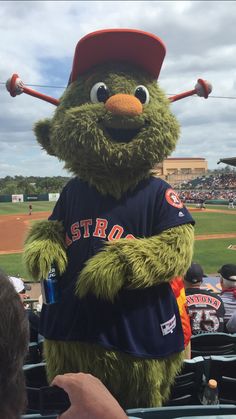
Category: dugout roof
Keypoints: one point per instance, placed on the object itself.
(231, 161)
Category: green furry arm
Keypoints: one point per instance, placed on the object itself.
(44, 245)
(160, 258)
(137, 263)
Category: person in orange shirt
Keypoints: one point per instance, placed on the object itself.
(178, 289)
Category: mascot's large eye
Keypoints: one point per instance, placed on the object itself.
(99, 93)
(142, 93)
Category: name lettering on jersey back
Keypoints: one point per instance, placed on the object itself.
(84, 229)
(201, 299)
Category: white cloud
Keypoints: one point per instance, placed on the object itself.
(38, 39)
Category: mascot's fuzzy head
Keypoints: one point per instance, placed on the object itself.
(113, 122)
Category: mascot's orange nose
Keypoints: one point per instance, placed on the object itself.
(122, 104)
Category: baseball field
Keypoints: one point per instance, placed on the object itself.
(215, 235)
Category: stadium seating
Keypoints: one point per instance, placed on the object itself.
(207, 344)
(34, 354)
(185, 399)
(174, 412)
(223, 370)
(37, 416)
(41, 397)
(35, 377)
(188, 384)
(177, 412)
(184, 392)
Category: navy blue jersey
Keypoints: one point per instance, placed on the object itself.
(143, 322)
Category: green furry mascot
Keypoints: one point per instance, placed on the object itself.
(117, 235)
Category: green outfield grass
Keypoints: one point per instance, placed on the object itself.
(214, 223)
(211, 254)
(23, 207)
(13, 265)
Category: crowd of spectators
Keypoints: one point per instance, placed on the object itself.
(223, 181)
(193, 196)
(213, 187)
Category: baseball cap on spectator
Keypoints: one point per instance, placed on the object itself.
(19, 284)
(228, 272)
(194, 273)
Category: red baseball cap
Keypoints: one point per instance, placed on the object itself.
(134, 46)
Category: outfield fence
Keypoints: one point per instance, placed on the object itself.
(29, 198)
(208, 201)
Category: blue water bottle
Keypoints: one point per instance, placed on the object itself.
(50, 286)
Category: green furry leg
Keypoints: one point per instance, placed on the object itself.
(173, 366)
(134, 382)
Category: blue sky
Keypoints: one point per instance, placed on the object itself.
(38, 40)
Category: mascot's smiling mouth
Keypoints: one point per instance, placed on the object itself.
(120, 135)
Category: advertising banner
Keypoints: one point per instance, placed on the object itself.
(53, 196)
(31, 198)
(17, 198)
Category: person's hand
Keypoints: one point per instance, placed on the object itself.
(89, 398)
(23, 297)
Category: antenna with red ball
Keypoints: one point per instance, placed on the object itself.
(202, 89)
(15, 86)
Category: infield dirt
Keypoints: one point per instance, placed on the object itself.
(14, 228)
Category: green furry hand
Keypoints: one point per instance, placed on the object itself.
(43, 246)
(39, 255)
(104, 274)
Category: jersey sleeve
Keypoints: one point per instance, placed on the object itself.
(169, 210)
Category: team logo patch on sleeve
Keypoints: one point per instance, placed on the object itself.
(173, 198)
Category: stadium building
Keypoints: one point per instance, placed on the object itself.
(176, 170)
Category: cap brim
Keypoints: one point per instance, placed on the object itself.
(192, 280)
(27, 287)
(140, 48)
